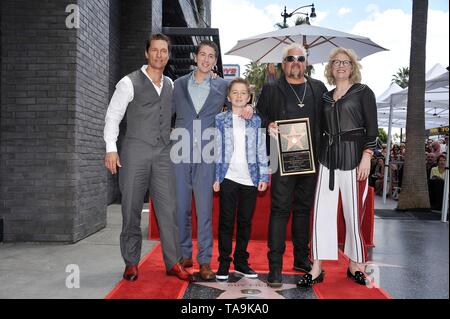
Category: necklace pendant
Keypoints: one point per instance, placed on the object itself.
(301, 104)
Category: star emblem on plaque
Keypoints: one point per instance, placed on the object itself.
(295, 151)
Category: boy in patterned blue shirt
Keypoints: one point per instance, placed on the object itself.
(241, 171)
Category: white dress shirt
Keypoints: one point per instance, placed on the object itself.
(122, 96)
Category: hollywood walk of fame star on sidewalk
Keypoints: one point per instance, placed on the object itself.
(246, 288)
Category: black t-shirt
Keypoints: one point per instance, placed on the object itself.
(293, 111)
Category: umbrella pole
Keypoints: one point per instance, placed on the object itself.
(306, 46)
(388, 155)
(445, 197)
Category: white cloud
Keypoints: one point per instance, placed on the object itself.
(344, 11)
(391, 29)
(237, 19)
(274, 12)
(321, 16)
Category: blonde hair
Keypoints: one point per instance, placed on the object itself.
(355, 76)
(237, 80)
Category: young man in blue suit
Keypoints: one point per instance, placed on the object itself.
(197, 99)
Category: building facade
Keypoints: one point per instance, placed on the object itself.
(60, 61)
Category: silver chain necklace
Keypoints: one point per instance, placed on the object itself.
(300, 102)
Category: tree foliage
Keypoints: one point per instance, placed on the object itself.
(382, 135)
(401, 77)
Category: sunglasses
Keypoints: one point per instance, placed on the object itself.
(292, 58)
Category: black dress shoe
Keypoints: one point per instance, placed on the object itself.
(275, 279)
(358, 277)
(307, 281)
(303, 266)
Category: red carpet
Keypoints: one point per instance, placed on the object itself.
(261, 219)
(153, 282)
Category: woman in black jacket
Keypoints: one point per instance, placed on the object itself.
(349, 132)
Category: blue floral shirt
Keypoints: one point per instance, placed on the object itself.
(255, 137)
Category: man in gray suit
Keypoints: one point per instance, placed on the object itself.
(145, 96)
(197, 99)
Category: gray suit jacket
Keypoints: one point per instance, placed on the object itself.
(185, 113)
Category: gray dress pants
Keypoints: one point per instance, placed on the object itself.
(147, 167)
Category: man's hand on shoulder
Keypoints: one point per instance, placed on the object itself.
(213, 75)
(247, 113)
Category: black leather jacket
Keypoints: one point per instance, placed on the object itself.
(271, 105)
(349, 126)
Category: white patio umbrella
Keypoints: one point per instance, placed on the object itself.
(267, 47)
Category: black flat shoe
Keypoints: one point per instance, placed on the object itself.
(307, 281)
(358, 277)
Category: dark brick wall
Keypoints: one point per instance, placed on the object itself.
(92, 94)
(56, 84)
(54, 93)
(113, 192)
(136, 24)
(38, 165)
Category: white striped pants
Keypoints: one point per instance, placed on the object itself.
(325, 229)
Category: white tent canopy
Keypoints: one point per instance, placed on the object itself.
(438, 82)
(392, 109)
(436, 101)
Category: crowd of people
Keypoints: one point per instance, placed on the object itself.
(435, 159)
(160, 114)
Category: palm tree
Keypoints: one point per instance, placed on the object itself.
(281, 25)
(301, 20)
(255, 73)
(401, 77)
(414, 194)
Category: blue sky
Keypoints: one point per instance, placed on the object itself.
(358, 9)
(386, 22)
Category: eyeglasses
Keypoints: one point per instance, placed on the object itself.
(292, 58)
(338, 63)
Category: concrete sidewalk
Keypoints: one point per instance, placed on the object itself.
(38, 270)
(411, 256)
